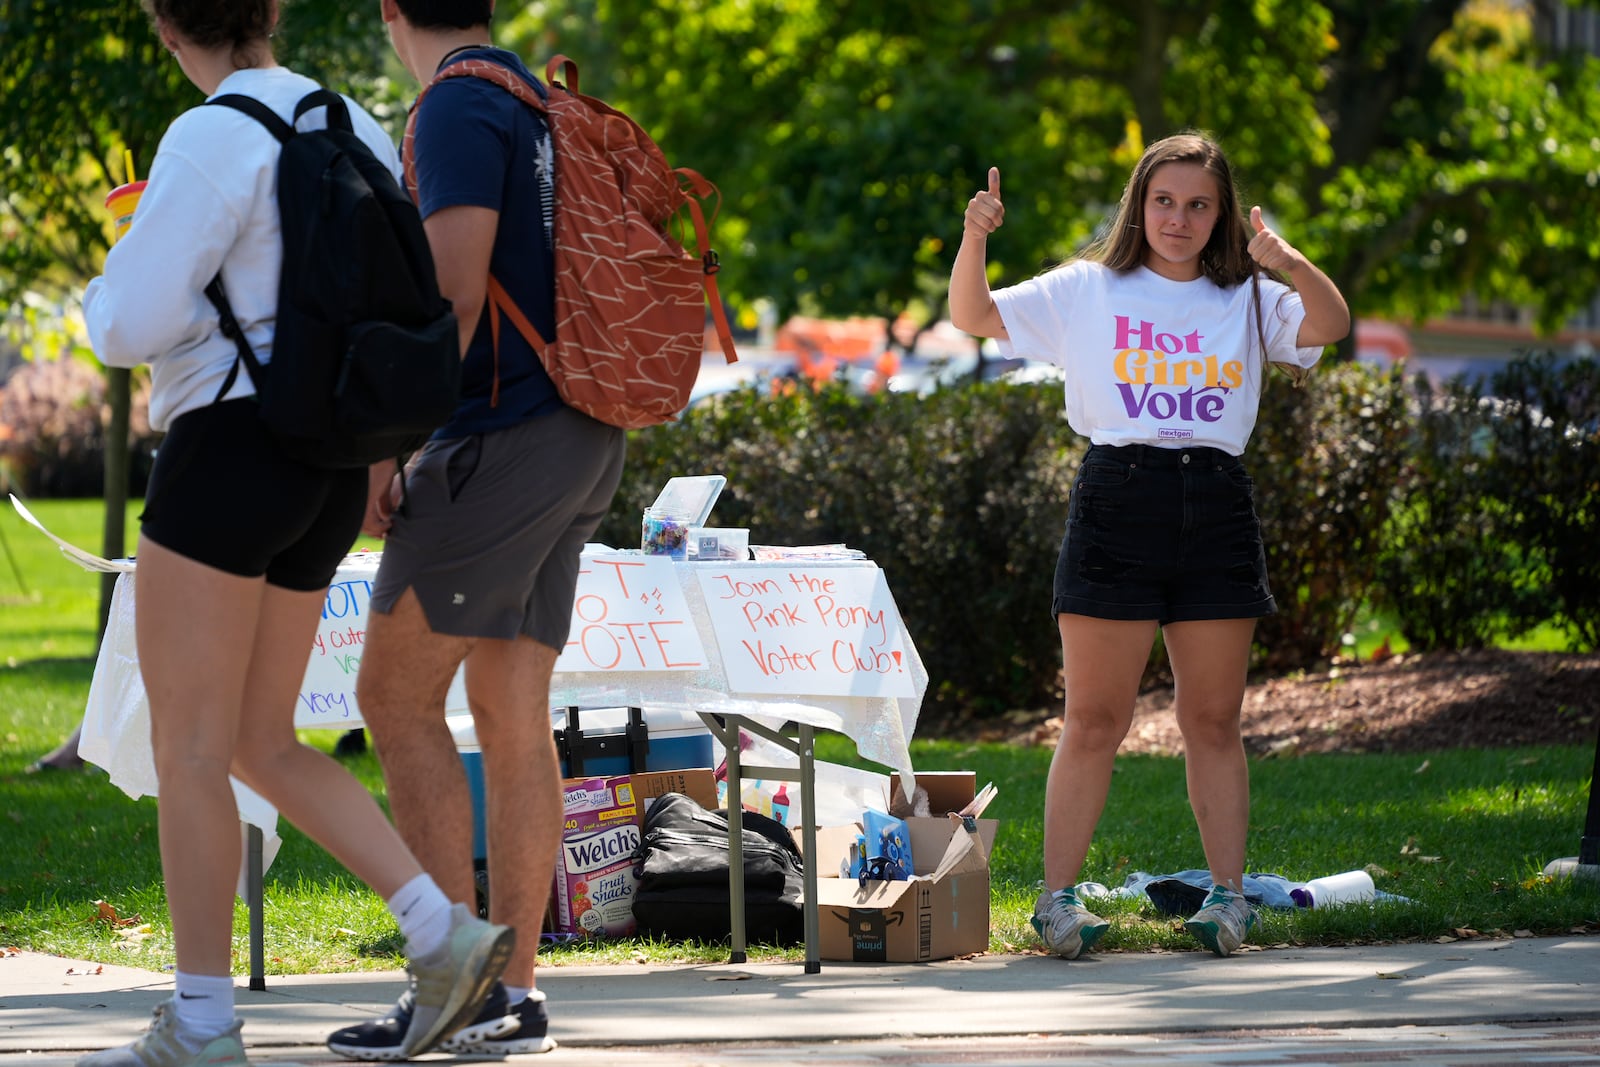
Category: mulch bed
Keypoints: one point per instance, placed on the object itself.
(1410, 703)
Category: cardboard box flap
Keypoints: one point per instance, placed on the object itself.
(947, 790)
(833, 849)
(931, 836)
(965, 851)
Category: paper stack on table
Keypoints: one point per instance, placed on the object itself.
(773, 553)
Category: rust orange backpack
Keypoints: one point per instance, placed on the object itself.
(629, 298)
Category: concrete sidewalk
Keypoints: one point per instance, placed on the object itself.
(1020, 1008)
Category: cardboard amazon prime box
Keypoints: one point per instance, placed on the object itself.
(942, 911)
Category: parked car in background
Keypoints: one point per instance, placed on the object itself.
(755, 368)
(986, 365)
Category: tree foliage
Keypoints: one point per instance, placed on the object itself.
(80, 83)
(1417, 149)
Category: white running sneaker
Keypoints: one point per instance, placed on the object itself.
(159, 1047)
(1067, 928)
(1222, 921)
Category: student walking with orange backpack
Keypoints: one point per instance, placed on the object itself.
(481, 559)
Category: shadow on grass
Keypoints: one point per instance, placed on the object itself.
(53, 669)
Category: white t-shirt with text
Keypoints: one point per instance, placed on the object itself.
(1149, 360)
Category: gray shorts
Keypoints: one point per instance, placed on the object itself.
(493, 525)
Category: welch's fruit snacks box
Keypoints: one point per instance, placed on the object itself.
(595, 882)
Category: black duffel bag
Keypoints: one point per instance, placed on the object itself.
(682, 864)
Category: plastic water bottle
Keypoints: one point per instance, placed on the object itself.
(1351, 887)
(780, 805)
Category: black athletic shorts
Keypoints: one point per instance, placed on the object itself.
(221, 494)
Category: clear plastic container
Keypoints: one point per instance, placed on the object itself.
(683, 505)
(713, 542)
(664, 535)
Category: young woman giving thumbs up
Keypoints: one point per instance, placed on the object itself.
(1164, 327)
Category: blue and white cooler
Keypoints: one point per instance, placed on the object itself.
(598, 742)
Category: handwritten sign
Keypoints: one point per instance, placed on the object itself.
(798, 629)
(630, 614)
(328, 691)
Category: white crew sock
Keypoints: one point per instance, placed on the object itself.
(423, 912)
(516, 994)
(203, 1004)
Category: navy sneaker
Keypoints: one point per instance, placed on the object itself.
(530, 1033)
(383, 1040)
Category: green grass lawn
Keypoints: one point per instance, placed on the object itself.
(1462, 834)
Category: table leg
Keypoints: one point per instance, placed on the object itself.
(254, 900)
(726, 729)
(808, 833)
(737, 947)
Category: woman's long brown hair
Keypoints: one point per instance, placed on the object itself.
(1225, 259)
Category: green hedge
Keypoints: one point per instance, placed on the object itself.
(1498, 532)
(1466, 518)
(1330, 465)
(961, 497)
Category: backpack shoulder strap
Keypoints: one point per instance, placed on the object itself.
(472, 67)
(258, 111)
(218, 296)
(231, 329)
(338, 110)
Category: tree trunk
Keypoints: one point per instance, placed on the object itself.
(119, 394)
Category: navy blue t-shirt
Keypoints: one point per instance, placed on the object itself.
(478, 145)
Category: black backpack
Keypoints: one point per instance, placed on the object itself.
(366, 359)
(682, 864)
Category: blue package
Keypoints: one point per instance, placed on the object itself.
(888, 847)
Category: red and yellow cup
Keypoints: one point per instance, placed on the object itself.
(122, 201)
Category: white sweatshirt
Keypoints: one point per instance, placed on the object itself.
(210, 203)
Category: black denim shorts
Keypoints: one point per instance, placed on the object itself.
(1169, 534)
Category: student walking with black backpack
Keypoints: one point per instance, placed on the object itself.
(237, 545)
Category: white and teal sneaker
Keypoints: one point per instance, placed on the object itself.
(1067, 928)
(449, 986)
(1223, 921)
(160, 1047)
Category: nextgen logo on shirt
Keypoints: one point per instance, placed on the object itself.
(1152, 367)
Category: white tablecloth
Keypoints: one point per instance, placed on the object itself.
(878, 711)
